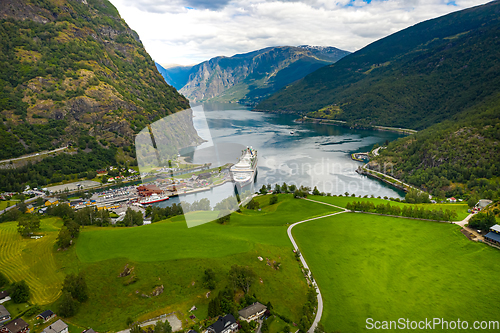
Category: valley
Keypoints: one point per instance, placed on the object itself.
(374, 201)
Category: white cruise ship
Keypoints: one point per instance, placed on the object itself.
(243, 172)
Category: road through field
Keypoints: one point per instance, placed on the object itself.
(319, 311)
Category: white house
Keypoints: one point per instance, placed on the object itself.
(57, 327)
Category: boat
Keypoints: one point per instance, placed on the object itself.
(154, 198)
(291, 132)
(244, 171)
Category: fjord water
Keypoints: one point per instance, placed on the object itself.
(314, 155)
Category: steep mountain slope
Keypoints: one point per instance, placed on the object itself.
(413, 78)
(72, 70)
(176, 76)
(250, 77)
(452, 158)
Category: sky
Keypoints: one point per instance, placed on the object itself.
(186, 32)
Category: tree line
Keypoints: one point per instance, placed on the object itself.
(406, 211)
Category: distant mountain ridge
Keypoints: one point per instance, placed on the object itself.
(413, 78)
(249, 77)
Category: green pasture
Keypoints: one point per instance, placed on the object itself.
(387, 268)
(460, 208)
(170, 254)
(7, 203)
(32, 260)
(174, 240)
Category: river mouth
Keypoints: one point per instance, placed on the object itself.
(305, 154)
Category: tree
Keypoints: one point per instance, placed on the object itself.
(68, 306)
(162, 327)
(472, 201)
(253, 205)
(133, 218)
(224, 217)
(39, 201)
(28, 224)
(209, 279)
(482, 221)
(241, 277)
(20, 292)
(292, 188)
(3, 280)
(136, 329)
(265, 327)
(273, 199)
(263, 189)
(284, 188)
(277, 189)
(22, 207)
(316, 191)
(64, 238)
(76, 286)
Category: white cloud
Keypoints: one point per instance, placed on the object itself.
(191, 31)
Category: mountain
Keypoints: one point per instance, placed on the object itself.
(413, 78)
(176, 76)
(250, 77)
(458, 157)
(73, 71)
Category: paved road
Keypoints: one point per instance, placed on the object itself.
(172, 319)
(295, 246)
(33, 155)
(26, 201)
(386, 175)
(375, 151)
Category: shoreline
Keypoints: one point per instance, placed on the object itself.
(322, 121)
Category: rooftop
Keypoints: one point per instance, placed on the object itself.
(496, 228)
(492, 236)
(16, 326)
(252, 309)
(222, 323)
(56, 327)
(3, 311)
(46, 314)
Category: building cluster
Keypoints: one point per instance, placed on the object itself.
(493, 236)
(228, 324)
(18, 325)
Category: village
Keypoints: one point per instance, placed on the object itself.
(121, 192)
(251, 316)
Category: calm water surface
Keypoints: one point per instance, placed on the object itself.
(314, 155)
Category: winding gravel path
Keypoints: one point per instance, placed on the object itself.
(319, 312)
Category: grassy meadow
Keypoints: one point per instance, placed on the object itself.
(389, 268)
(32, 260)
(365, 265)
(459, 208)
(170, 254)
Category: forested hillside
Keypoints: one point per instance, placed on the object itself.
(414, 78)
(74, 69)
(456, 157)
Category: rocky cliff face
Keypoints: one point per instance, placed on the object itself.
(74, 68)
(250, 77)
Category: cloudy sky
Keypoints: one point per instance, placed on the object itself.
(191, 31)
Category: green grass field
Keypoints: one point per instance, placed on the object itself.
(32, 260)
(460, 208)
(170, 254)
(389, 268)
(4, 204)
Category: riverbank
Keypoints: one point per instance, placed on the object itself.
(306, 119)
(363, 170)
